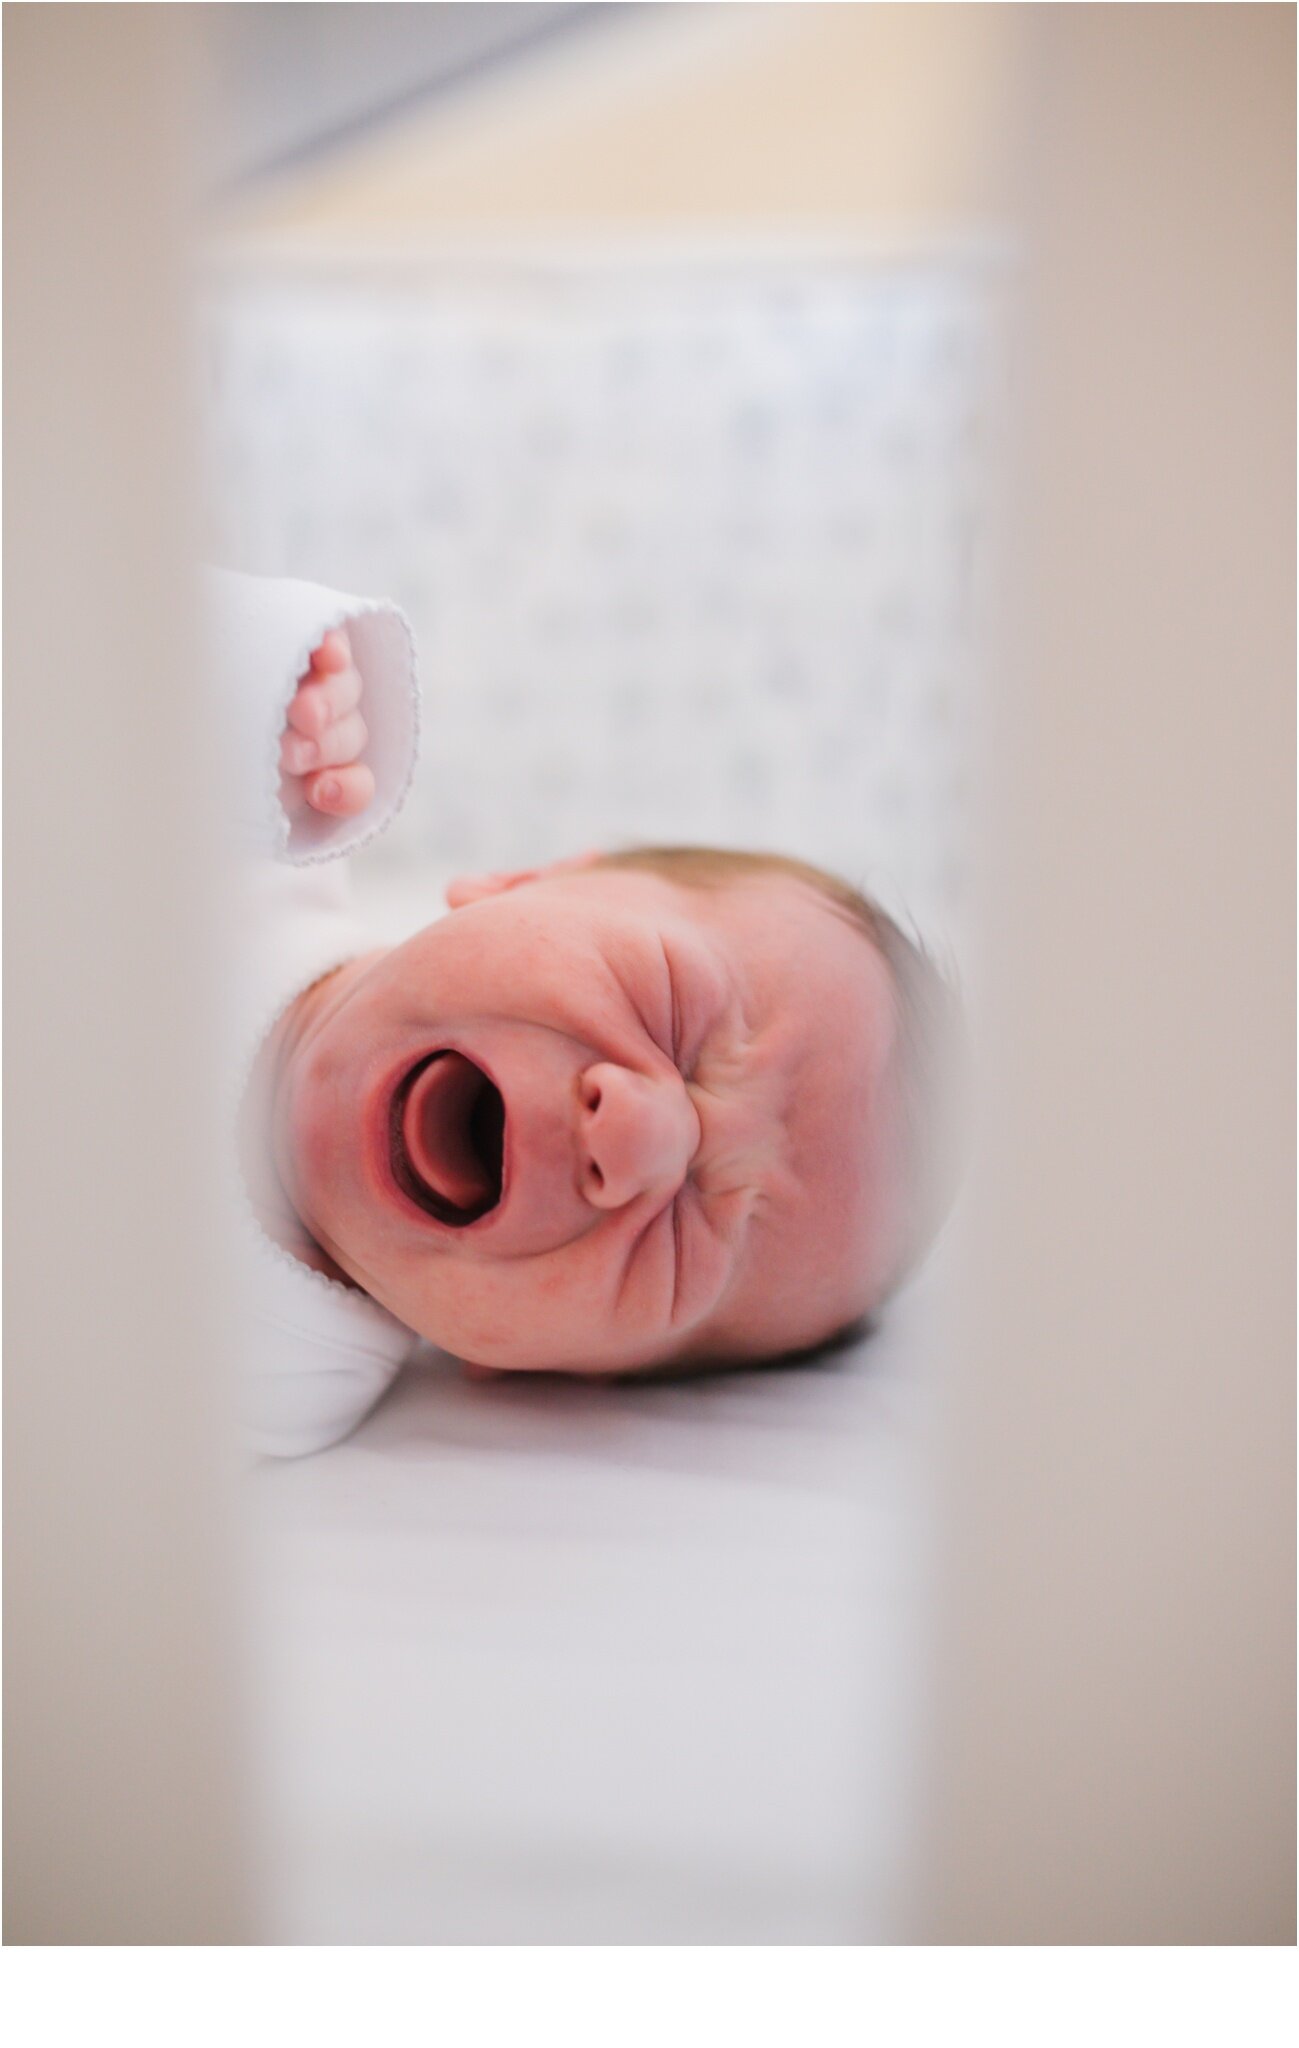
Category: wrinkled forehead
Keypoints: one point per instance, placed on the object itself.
(805, 972)
(806, 967)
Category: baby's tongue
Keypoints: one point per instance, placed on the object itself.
(436, 1130)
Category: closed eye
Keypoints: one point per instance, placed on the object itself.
(678, 1228)
(673, 1047)
(677, 1255)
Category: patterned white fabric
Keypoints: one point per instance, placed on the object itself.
(691, 553)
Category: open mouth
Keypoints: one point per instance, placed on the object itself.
(447, 1138)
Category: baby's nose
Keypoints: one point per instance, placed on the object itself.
(636, 1135)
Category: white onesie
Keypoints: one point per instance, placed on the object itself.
(315, 1355)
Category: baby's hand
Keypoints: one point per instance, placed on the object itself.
(320, 754)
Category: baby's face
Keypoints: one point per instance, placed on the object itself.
(602, 1120)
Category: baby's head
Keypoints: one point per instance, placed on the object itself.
(665, 1107)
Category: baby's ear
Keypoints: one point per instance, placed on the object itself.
(474, 888)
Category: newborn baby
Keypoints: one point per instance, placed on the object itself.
(647, 1109)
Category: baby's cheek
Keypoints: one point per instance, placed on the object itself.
(470, 1311)
(533, 1313)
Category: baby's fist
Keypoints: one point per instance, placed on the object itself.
(320, 753)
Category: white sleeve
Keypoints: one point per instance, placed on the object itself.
(261, 632)
(315, 1358)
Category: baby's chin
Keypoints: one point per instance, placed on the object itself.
(574, 1358)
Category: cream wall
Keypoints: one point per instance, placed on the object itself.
(887, 122)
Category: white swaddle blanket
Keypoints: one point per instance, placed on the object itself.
(314, 1354)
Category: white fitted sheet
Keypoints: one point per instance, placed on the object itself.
(545, 1662)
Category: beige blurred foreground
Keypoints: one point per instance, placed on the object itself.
(1114, 1682)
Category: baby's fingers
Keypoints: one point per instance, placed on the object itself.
(333, 653)
(340, 792)
(339, 744)
(318, 703)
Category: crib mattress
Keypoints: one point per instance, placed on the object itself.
(538, 1661)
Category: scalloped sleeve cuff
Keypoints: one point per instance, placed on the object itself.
(261, 632)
